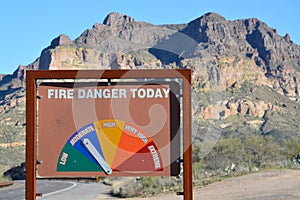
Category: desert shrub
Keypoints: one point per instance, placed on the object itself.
(292, 149)
(251, 151)
(198, 170)
(4, 179)
(196, 155)
(155, 185)
(128, 187)
(224, 153)
(261, 151)
(11, 156)
(144, 186)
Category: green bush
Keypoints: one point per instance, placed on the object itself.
(292, 149)
(250, 152)
(224, 153)
(144, 186)
(261, 151)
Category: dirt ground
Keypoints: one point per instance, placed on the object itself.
(269, 185)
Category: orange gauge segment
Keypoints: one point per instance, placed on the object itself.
(133, 139)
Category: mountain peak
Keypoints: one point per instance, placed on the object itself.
(62, 39)
(212, 17)
(117, 19)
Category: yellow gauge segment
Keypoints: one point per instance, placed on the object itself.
(109, 133)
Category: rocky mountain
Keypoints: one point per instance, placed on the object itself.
(245, 76)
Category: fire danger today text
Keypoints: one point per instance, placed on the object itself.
(108, 93)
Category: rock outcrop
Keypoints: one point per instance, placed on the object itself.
(117, 19)
(17, 173)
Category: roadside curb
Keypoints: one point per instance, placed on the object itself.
(5, 184)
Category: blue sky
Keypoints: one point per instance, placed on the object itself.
(27, 27)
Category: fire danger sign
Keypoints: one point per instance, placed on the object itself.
(108, 129)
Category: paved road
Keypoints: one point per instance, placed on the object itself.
(16, 191)
(56, 190)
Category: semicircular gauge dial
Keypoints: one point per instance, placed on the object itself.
(109, 146)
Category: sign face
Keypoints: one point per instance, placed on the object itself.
(116, 129)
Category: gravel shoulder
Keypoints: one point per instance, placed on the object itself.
(267, 185)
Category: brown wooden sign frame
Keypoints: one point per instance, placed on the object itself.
(31, 114)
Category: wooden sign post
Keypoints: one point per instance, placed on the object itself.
(126, 127)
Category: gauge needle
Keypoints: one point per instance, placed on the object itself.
(90, 147)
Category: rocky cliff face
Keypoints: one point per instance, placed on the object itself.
(106, 45)
(245, 75)
(210, 42)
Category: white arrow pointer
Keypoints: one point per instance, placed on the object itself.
(90, 147)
